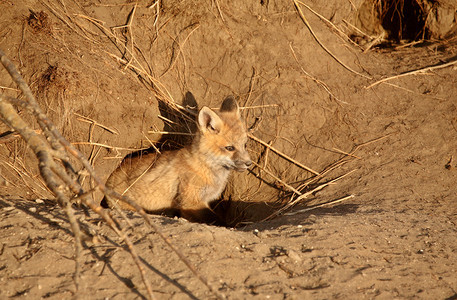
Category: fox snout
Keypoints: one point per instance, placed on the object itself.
(243, 163)
(242, 166)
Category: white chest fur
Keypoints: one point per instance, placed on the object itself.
(213, 191)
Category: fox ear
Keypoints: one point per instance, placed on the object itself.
(230, 105)
(208, 120)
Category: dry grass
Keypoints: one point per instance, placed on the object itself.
(308, 25)
(421, 71)
(127, 54)
(17, 168)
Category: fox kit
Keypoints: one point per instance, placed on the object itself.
(188, 179)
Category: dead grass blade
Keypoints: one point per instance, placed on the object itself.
(289, 187)
(134, 64)
(341, 33)
(108, 146)
(172, 133)
(302, 16)
(319, 205)
(319, 82)
(177, 47)
(8, 88)
(89, 120)
(285, 156)
(414, 72)
(305, 195)
(219, 10)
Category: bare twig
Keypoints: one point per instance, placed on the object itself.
(319, 82)
(89, 120)
(342, 34)
(319, 205)
(285, 156)
(302, 16)
(54, 176)
(414, 72)
(162, 94)
(289, 187)
(58, 176)
(43, 152)
(298, 199)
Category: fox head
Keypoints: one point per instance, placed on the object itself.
(223, 136)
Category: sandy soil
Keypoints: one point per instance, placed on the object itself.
(396, 238)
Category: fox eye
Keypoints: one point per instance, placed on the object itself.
(230, 148)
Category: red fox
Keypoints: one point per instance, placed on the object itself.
(188, 179)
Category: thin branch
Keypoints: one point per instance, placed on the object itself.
(55, 176)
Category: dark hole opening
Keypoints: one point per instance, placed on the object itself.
(404, 20)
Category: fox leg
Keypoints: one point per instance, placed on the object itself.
(202, 214)
(192, 208)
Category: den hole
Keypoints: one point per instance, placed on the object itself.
(390, 22)
(404, 20)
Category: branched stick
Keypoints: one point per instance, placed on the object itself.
(43, 152)
(162, 94)
(56, 178)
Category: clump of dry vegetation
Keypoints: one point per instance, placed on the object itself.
(72, 178)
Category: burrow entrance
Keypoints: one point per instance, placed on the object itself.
(404, 20)
(411, 20)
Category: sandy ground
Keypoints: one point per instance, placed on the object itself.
(396, 238)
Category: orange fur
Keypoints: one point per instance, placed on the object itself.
(187, 180)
